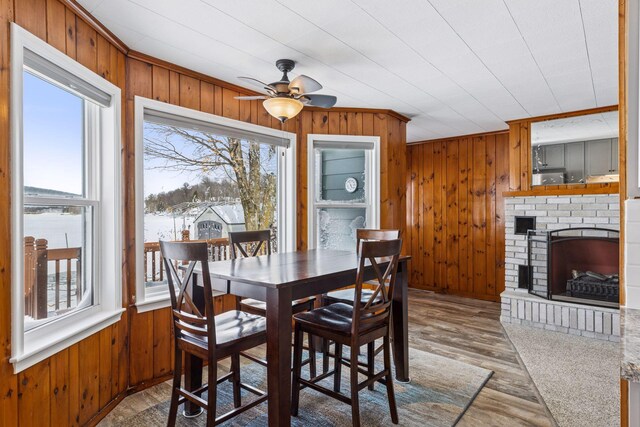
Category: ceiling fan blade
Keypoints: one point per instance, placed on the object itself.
(304, 84)
(322, 101)
(250, 98)
(258, 83)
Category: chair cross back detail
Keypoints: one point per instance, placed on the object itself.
(373, 235)
(383, 256)
(187, 317)
(260, 239)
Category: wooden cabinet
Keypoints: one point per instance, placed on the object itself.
(574, 162)
(602, 157)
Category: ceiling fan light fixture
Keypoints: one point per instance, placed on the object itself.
(282, 108)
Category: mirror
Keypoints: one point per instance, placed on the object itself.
(575, 150)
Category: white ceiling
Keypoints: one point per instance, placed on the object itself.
(454, 66)
(579, 128)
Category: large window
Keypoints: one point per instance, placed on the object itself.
(343, 189)
(201, 176)
(66, 172)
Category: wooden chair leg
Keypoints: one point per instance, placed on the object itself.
(177, 376)
(389, 381)
(212, 393)
(312, 357)
(355, 404)
(297, 369)
(235, 379)
(371, 361)
(337, 367)
(325, 355)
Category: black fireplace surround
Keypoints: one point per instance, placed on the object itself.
(582, 265)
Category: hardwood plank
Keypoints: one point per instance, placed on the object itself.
(490, 202)
(231, 106)
(306, 127)
(502, 185)
(141, 352)
(160, 83)
(59, 388)
(104, 58)
(32, 16)
(105, 378)
(207, 97)
(162, 342)
(367, 124)
(452, 219)
(56, 25)
(190, 92)
(89, 377)
(33, 395)
(87, 45)
(217, 101)
(334, 123)
(174, 88)
(70, 22)
(479, 216)
(74, 385)
(463, 214)
(429, 209)
(514, 157)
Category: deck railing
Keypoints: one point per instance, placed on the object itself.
(37, 257)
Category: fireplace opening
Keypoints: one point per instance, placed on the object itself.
(577, 265)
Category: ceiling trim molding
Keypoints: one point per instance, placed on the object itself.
(388, 112)
(471, 135)
(565, 115)
(82, 13)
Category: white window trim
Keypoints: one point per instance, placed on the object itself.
(286, 182)
(39, 343)
(372, 172)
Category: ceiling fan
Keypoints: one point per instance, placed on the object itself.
(284, 99)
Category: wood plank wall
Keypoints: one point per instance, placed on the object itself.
(80, 384)
(455, 214)
(74, 385)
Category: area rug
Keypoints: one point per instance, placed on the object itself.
(439, 393)
(577, 377)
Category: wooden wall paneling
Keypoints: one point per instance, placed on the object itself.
(343, 122)
(525, 157)
(105, 379)
(56, 30)
(429, 210)
(217, 101)
(190, 92)
(502, 186)
(453, 250)
(413, 217)
(174, 88)
(160, 83)
(88, 376)
(514, 157)
(70, 23)
(379, 128)
(32, 16)
(463, 190)
(231, 106)
(479, 215)
(162, 345)
(334, 122)
(207, 97)
(33, 395)
(141, 351)
(8, 381)
(367, 124)
(438, 172)
(87, 45)
(490, 202)
(59, 388)
(305, 124)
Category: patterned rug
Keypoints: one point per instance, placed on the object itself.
(439, 393)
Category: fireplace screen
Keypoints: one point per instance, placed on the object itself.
(577, 265)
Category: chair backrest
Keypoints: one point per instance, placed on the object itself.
(366, 234)
(382, 257)
(187, 318)
(249, 243)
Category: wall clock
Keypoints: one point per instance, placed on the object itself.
(350, 184)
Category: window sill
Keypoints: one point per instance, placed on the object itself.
(38, 350)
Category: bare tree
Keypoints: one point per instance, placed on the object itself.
(246, 163)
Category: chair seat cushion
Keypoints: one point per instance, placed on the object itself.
(254, 305)
(347, 296)
(231, 327)
(335, 317)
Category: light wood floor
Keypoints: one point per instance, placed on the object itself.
(459, 328)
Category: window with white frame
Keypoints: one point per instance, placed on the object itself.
(66, 200)
(201, 176)
(343, 176)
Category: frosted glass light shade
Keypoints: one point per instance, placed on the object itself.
(282, 108)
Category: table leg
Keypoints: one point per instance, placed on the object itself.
(192, 364)
(279, 356)
(400, 322)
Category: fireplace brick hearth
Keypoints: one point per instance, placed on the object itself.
(553, 213)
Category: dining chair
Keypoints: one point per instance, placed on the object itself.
(354, 325)
(253, 243)
(207, 336)
(347, 296)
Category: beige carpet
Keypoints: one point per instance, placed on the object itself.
(439, 393)
(577, 377)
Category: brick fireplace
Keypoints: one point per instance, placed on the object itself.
(551, 214)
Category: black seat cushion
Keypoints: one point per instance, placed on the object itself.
(335, 317)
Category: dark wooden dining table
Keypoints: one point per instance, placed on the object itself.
(278, 279)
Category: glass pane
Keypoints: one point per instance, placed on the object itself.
(201, 186)
(341, 175)
(57, 261)
(53, 135)
(337, 227)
